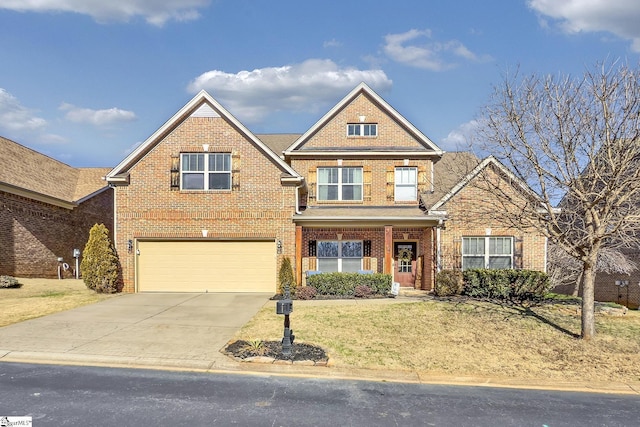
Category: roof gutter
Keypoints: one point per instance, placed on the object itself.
(30, 194)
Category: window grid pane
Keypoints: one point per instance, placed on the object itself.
(340, 183)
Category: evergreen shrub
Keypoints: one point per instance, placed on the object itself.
(100, 267)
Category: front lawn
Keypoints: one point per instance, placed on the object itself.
(39, 297)
(466, 338)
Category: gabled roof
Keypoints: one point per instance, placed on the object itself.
(363, 88)
(118, 174)
(28, 173)
(488, 161)
(278, 142)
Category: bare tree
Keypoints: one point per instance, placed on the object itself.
(575, 142)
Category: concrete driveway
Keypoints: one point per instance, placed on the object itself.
(164, 330)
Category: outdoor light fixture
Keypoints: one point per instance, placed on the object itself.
(129, 245)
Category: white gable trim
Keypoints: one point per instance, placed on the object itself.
(205, 111)
(199, 101)
(362, 88)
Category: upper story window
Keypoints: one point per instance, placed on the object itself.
(406, 184)
(487, 252)
(205, 171)
(362, 129)
(340, 183)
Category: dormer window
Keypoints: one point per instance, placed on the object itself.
(362, 129)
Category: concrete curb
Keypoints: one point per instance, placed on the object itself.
(231, 366)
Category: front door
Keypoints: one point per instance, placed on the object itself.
(404, 255)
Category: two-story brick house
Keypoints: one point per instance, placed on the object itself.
(205, 205)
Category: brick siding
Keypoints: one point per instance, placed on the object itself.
(261, 207)
(34, 234)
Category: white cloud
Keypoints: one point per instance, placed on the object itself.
(15, 118)
(155, 12)
(430, 55)
(96, 117)
(461, 138)
(309, 87)
(332, 43)
(619, 17)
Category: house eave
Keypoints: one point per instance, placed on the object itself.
(366, 221)
(33, 195)
(346, 154)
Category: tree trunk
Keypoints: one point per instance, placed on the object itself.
(576, 287)
(588, 307)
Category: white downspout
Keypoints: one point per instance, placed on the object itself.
(438, 247)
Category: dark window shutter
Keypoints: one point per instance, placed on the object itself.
(312, 248)
(175, 172)
(366, 248)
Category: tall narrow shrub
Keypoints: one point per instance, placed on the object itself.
(99, 266)
(285, 276)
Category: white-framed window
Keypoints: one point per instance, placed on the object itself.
(341, 183)
(339, 256)
(406, 184)
(205, 171)
(487, 252)
(362, 129)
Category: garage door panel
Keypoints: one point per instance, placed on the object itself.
(206, 266)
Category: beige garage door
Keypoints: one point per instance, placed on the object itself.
(206, 266)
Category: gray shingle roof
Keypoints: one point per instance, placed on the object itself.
(447, 173)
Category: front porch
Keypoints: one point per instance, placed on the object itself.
(405, 253)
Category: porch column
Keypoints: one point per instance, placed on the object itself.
(299, 255)
(388, 249)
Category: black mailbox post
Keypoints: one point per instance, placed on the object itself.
(285, 307)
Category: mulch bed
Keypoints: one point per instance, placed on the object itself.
(244, 350)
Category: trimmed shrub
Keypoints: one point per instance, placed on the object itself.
(9, 282)
(306, 292)
(515, 285)
(362, 291)
(344, 284)
(286, 277)
(100, 267)
(448, 283)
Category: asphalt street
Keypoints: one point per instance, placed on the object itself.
(93, 396)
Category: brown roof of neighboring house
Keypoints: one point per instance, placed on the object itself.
(22, 168)
(278, 142)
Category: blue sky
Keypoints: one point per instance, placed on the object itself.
(86, 81)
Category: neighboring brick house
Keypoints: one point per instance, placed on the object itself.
(205, 205)
(46, 210)
(623, 289)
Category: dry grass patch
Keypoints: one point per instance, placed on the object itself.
(463, 338)
(39, 297)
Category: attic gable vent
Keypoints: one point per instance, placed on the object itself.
(205, 110)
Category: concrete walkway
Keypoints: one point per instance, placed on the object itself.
(172, 330)
(187, 332)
